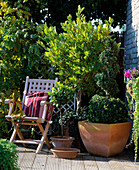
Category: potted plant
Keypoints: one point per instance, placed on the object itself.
(60, 95)
(106, 130)
(109, 132)
(132, 86)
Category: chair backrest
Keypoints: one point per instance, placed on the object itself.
(38, 85)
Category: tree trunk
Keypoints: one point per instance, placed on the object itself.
(79, 100)
(61, 122)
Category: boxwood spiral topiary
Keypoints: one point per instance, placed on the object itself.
(106, 78)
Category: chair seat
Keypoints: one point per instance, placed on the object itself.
(40, 120)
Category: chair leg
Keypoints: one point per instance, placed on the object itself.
(42, 131)
(13, 134)
(43, 138)
(17, 131)
(21, 137)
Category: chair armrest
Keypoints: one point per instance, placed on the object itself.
(10, 108)
(50, 121)
(45, 102)
(8, 101)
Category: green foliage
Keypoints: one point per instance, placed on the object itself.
(36, 8)
(4, 125)
(74, 116)
(105, 110)
(61, 94)
(136, 115)
(8, 155)
(54, 12)
(106, 79)
(20, 55)
(17, 111)
(70, 121)
(100, 9)
(74, 53)
(132, 96)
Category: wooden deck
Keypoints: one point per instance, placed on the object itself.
(29, 160)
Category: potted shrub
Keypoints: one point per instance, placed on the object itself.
(109, 132)
(60, 95)
(106, 130)
(70, 122)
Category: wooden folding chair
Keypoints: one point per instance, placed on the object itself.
(32, 86)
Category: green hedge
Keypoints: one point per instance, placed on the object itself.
(8, 155)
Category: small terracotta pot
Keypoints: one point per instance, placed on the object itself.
(59, 142)
(104, 139)
(65, 152)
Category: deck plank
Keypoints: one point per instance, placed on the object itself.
(29, 160)
(65, 164)
(52, 163)
(77, 163)
(20, 155)
(126, 162)
(40, 161)
(102, 163)
(89, 162)
(115, 164)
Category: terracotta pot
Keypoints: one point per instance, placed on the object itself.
(104, 139)
(65, 152)
(59, 142)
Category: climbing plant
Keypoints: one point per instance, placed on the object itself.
(132, 76)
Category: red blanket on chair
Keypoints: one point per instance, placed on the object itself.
(32, 107)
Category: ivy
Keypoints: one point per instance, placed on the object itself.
(132, 95)
(136, 115)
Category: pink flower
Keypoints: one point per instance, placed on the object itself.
(128, 74)
(134, 68)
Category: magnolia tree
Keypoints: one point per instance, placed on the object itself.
(74, 54)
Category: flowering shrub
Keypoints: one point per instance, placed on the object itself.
(132, 76)
(132, 73)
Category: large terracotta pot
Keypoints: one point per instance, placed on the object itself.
(104, 139)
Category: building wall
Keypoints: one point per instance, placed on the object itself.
(131, 58)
